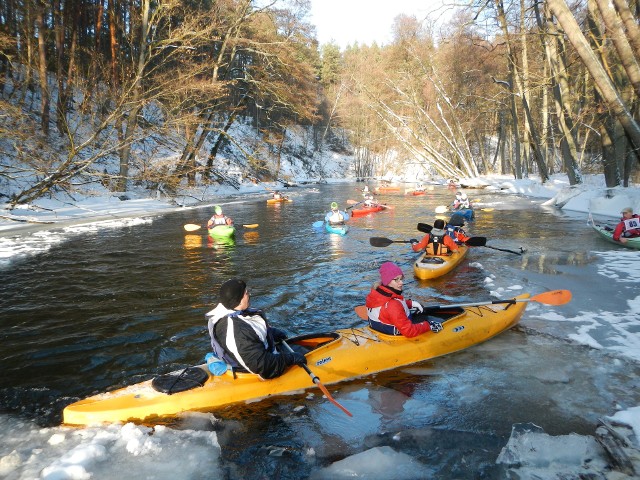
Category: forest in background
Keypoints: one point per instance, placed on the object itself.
(90, 88)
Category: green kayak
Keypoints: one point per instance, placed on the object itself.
(222, 231)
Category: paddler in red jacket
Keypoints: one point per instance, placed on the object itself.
(628, 227)
(388, 310)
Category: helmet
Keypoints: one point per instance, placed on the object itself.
(218, 209)
(456, 220)
(334, 205)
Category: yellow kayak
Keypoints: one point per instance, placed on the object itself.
(433, 266)
(334, 357)
(278, 200)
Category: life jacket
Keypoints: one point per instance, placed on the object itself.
(219, 220)
(436, 244)
(453, 232)
(336, 218)
(374, 315)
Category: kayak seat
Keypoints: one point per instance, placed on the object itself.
(432, 260)
(174, 382)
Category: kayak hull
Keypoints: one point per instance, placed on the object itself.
(608, 235)
(337, 229)
(335, 357)
(272, 201)
(359, 212)
(222, 231)
(427, 267)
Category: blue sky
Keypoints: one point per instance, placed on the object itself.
(347, 21)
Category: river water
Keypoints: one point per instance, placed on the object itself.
(112, 307)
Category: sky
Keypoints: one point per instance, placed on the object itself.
(364, 21)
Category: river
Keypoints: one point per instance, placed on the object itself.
(112, 307)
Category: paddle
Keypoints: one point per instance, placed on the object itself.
(316, 380)
(318, 224)
(522, 250)
(554, 298)
(353, 203)
(192, 227)
(473, 241)
(385, 242)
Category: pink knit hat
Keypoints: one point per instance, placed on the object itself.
(389, 271)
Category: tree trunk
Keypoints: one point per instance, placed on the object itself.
(553, 47)
(512, 93)
(42, 58)
(132, 120)
(605, 86)
(625, 52)
(630, 25)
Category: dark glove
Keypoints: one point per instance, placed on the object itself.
(413, 241)
(296, 358)
(435, 326)
(278, 335)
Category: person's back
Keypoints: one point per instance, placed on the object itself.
(454, 228)
(436, 242)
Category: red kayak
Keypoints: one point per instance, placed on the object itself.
(358, 212)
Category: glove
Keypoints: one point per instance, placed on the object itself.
(413, 241)
(435, 326)
(296, 358)
(416, 305)
(278, 335)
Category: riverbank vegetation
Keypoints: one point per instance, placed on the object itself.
(123, 93)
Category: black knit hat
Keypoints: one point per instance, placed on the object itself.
(231, 293)
(439, 224)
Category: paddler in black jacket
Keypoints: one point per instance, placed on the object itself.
(242, 337)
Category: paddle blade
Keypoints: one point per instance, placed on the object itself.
(361, 311)
(329, 397)
(380, 242)
(554, 297)
(476, 242)
(318, 224)
(190, 227)
(441, 209)
(251, 225)
(424, 227)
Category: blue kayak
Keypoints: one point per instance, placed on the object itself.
(467, 213)
(338, 229)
